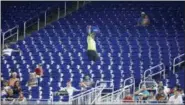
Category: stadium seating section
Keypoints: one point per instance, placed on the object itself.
(15, 13)
(125, 49)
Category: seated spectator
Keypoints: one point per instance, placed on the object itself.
(21, 99)
(5, 88)
(69, 90)
(146, 21)
(39, 71)
(17, 88)
(151, 98)
(166, 90)
(181, 91)
(8, 51)
(142, 94)
(33, 81)
(10, 96)
(13, 79)
(86, 83)
(171, 93)
(176, 98)
(128, 98)
(161, 97)
(143, 20)
(160, 86)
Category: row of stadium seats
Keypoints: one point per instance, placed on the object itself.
(15, 13)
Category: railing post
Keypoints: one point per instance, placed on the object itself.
(52, 99)
(77, 6)
(176, 64)
(173, 66)
(38, 24)
(3, 41)
(45, 18)
(83, 3)
(24, 29)
(17, 33)
(65, 8)
(58, 12)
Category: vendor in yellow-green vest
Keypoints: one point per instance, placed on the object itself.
(91, 45)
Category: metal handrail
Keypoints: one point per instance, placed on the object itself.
(38, 20)
(33, 100)
(174, 61)
(89, 93)
(98, 95)
(82, 93)
(117, 93)
(10, 30)
(156, 85)
(120, 91)
(98, 82)
(130, 78)
(150, 70)
(140, 102)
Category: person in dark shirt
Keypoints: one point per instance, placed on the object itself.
(160, 86)
(161, 97)
(17, 88)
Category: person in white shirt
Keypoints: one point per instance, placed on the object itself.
(21, 99)
(176, 98)
(33, 80)
(69, 90)
(5, 88)
(8, 51)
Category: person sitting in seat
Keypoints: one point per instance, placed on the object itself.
(10, 96)
(21, 99)
(143, 20)
(17, 88)
(13, 79)
(160, 86)
(161, 96)
(176, 98)
(5, 88)
(86, 83)
(39, 71)
(69, 90)
(152, 98)
(151, 83)
(128, 98)
(142, 94)
(33, 81)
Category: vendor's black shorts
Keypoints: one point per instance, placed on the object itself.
(93, 55)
